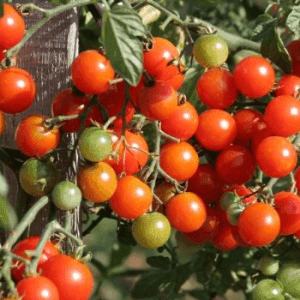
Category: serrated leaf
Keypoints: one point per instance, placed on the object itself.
(8, 216)
(121, 30)
(264, 23)
(118, 254)
(160, 262)
(293, 20)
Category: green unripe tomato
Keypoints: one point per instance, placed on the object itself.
(228, 199)
(37, 178)
(151, 230)
(233, 212)
(289, 277)
(210, 51)
(66, 195)
(95, 144)
(268, 265)
(268, 289)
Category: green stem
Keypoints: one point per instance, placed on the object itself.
(52, 121)
(127, 3)
(68, 227)
(105, 3)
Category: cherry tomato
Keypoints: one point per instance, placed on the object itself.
(157, 102)
(268, 265)
(182, 123)
(293, 49)
(66, 103)
(235, 165)
(180, 160)
(12, 27)
(282, 115)
(287, 206)
(97, 182)
(216, 89)
(131, 199)
(2, 123)
(38, 288)
(259, 224)
(186, 212)
(210, 51)
(276, 156)
(216, 129)
(30, 243)
(242, 192)
(75, 281)
(33, 138)
(91, 72)
(268, 289)
(165, 192)
(254, 76)
(206, 183)
(224, 239)
(258, 137)
(288, 85)
(288, 276)
(17, 90)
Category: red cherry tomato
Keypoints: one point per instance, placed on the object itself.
(180, 160)
(17, 90)
(216, 129)
(288, 85)
(182, 123)
(235, 165)
(216, 89)
(206, 183)
(276, 156)
(73, 279)
(293, 49)
(224, 239)
(12, 27)
(33, 138)
(30, 243)
(186, 212)
(258, 137)
(259, 224)
(91, 72)
(254, 76)
(287, 206)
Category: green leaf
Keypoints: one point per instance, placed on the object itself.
(121, 30)
(199, 294)
(183, 273)
(8, 216)
(160, 262)
(293, 20)
(262, 25)
(118, 254)
(1, 8)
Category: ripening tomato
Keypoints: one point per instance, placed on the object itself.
(67, 103)
(97, 182)
(206, 183)
(33, 138)
(282, 115)
(216, 89)
(165, 192)
(224, 239)
(180, 160)
(182, 123)
(288, 85)
(293, 49)
(276, 156)
(259, 224)
(235, 165)
(91, 72)
(132, 154)
(254, 76)
(30, 243)
(158, 101)
(38, 288)
(75, 280)
(131, 199)
(12, 27)
(17, 90)
(216, 129)
(186, 212)
(287, 206)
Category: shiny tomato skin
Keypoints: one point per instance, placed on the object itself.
(282, 115)
(258, 137)
(206, 183)
(75, 280)
(224, 239)
(37, 288)
(293, 49)
(12, 27)
(182, 123)
(186, 212)
(91, 72)
(254, 76)
(259, 224)
(33, 138)
(287, 206)
(131, 199)
(276, 156)
(216, 129)
(216, 89)
(235, 165)
(180, 160)
(288, 85)
(31, 243)
(17, 90)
